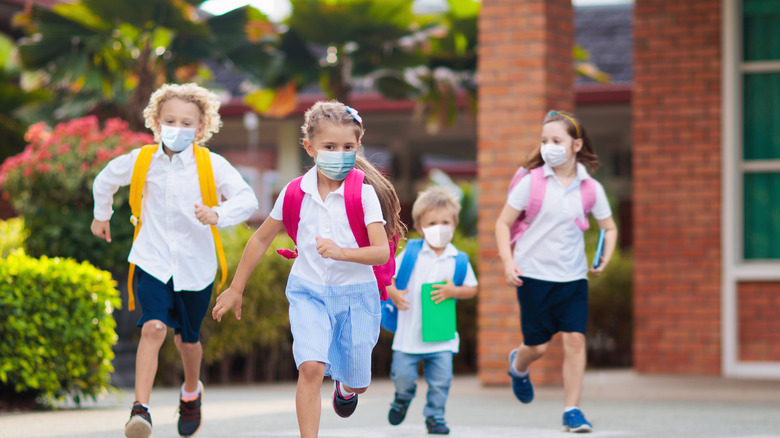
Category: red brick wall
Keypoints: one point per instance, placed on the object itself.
(525, 68)
(759, 321)
(677, 186)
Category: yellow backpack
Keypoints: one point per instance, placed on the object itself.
(208, 190)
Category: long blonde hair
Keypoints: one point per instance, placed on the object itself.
(339, 114)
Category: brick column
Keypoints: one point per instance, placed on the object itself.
(677, 186)
(525, 68)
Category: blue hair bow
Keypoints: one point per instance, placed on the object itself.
(353, 112)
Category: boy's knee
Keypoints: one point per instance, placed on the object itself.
(154, 331)
(188, 347)
(359, 390)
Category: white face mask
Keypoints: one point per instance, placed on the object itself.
(438, 236)
(553, 155)
(177, 139)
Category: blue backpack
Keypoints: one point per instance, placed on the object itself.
(413, 247)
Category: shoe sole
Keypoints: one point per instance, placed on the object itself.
(138, 428)
(579, 429)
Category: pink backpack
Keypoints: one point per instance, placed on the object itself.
(353, 191)
(536, 197)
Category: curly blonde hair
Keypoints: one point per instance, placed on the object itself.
(208, 103)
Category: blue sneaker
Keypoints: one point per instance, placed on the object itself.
(522, 386)
(574, 421)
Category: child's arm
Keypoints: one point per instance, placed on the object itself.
(255, 249)
(503, 240)
(443, 291)
(378, 253)
(398, 296)
(610, 240)
(118, 172)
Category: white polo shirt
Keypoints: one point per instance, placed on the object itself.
(327, 218)
(429, 268)
(172, 241)
(553, 246)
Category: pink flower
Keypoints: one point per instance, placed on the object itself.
(64, 149)
(43, 168)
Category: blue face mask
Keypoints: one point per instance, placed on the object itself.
(336, 165)
(177, 139)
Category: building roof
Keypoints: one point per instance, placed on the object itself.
(606, 33)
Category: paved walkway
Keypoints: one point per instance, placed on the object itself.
(618, 403)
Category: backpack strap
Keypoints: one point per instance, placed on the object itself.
(461, 268)
(413, 247)
(137, 181)
(588, 194)
(353, 201)
(208, 190)
(291, 215)
(535, 200)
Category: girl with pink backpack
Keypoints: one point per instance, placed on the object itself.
(541, 245)
(343, 216)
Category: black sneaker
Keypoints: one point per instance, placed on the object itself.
(189, 415)
(140, 423)
(344, 407)
(436, 426)
(398, 411)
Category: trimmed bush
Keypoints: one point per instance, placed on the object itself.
(12, 235)
(57, 328)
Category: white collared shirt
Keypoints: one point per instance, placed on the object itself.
(172, 242)
(327, 218)
(553, 247)
(429, 268)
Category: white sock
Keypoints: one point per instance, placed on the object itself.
(343, 390)
(146, 406)
(189, 395)
(516, 373)
(570, 408)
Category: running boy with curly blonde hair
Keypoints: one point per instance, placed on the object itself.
(174, 250)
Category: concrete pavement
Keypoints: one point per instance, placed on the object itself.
(618, 403)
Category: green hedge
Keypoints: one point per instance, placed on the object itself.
(57, 328)
(12, 235)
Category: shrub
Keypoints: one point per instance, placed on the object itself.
(610, 309)
(57, 328)
(12, 235)
(50, 184)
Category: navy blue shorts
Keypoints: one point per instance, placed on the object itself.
(183, 311)
(548, 307)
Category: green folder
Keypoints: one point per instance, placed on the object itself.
(438, 320)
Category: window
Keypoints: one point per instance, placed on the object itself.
(760, 161)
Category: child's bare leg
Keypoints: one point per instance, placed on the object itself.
(308, 402)
(152, 337)
(527, 354)
(574, 361)
(355, 390)
(191, 355)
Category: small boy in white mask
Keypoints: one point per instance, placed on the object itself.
(435, 216)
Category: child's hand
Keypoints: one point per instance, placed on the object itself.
(398, 298)
(442, 292)
(512, 274)
(598, 271)
(206, 215)
(229, 299)
(101, 229)
(329, 250)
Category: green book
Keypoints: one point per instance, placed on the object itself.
(438, 320)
